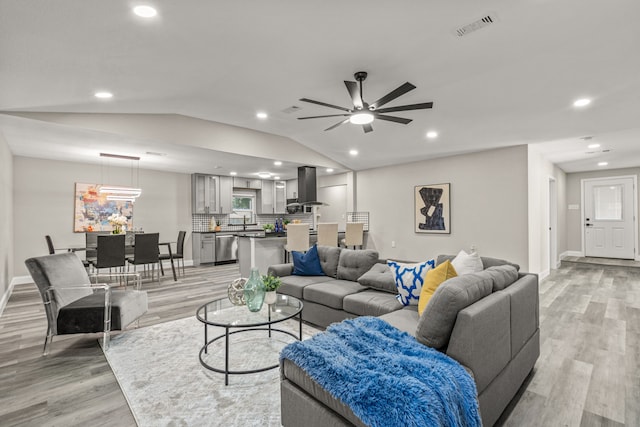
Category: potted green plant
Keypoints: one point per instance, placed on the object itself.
(271, 284)
(218, 225)
(268, 228)
(285, 222)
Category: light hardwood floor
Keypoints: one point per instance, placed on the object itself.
(588, 373)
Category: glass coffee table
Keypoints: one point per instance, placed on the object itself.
(237, 318)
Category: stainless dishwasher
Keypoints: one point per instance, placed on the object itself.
(226, 247)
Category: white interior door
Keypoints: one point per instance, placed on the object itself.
(608, 220)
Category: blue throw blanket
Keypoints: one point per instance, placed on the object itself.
(386, 377)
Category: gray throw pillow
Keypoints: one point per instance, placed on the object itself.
(379, 277)
(329, 256)
(354, 263)
(437, 321)
(502, 276)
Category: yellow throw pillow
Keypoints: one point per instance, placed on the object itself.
(435, 277)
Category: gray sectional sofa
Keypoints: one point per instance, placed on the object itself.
(488, 321)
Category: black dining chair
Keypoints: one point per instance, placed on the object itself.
(178, 255)
(109, 252)
(145, 252)
(52, 250)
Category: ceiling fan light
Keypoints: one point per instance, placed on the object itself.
(361, 118)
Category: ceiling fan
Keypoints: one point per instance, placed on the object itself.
(363, 113)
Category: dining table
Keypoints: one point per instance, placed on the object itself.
(129, 246)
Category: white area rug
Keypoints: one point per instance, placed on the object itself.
(161, 377)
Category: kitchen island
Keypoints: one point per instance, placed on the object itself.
(260, 249)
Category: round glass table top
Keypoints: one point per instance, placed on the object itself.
(223, 313)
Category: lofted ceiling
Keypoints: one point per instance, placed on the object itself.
(512, 82)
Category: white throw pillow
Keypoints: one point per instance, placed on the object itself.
(465, 263)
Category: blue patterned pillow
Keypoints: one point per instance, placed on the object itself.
(409, 279)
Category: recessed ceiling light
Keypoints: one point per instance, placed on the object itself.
(432, 134)
(145, 11)
(593, 145)
(262, 115)
(329, 170)
(232, 173)
(277, 163)
(353, 152)
(264, 175)
(603, 164)
(582, 102)
(103, 95)
(276, 177)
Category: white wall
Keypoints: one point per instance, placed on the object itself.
(540, 170)
(44, 203)
(6, 220)
(488, 206)
(574, 194)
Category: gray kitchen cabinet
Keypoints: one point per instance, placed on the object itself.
(226, 195)
(205, 194)
(255, 184)
(204, 248)
(280, 197)
(265, 198)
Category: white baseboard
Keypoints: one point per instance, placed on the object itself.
(572, 253)
(20, 280)
(543, 274)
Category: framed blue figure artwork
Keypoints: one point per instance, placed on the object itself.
(433, 209)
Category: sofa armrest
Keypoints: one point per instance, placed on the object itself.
(280, 270)
(481, 338)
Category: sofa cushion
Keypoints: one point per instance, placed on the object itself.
(502, 276)
(435, 277)
(439, 317)
(405, 319)
(465, 263)
(307, 263)
(379, 277)
(331, 293)
(329, 256)
(409, 279)
(371, 303)
(294, 285)
(354, 263)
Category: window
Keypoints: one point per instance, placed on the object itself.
(243, 208)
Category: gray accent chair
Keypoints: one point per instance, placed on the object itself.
(74, 305)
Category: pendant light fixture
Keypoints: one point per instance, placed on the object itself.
(119, 193)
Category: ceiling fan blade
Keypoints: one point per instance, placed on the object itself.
(319, 117)
(367, 128)
(352, 87)
(324, 104)
(393, 95)
(337, 124)
(393, 119)
(422, 106)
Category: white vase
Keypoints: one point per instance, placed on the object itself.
(270, 297)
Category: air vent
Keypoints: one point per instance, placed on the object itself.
(476, 25)
(292, 109)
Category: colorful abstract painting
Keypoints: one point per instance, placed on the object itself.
(92, 209)
(432, 206)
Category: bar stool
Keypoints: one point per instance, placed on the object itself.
(354, 234)
(328, 234)
(297, 239)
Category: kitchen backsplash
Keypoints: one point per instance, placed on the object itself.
(200, 222)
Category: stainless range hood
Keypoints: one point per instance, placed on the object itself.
(307, 188)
